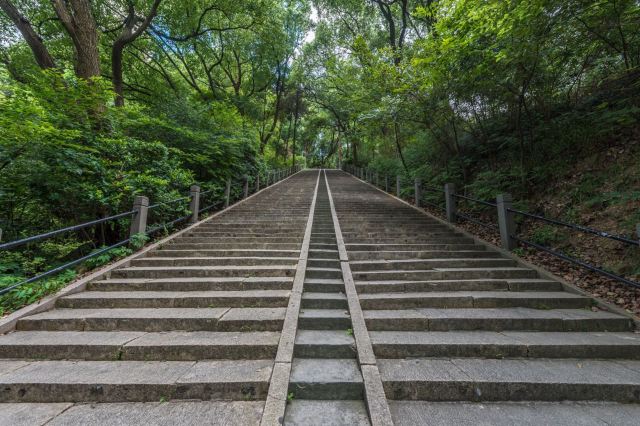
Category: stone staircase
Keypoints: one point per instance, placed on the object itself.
(321, 301)
(463, 335)
(196, 322)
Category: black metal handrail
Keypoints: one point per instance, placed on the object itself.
(580, 228)
(17, 243)
(578, 262)
(486, 203)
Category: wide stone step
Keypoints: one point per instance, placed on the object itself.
(411, 413)
(133, 381)
(359, 247)
(334, 379)
(312, 300)
(324, 344)
(157, 261)
(513, 344)
(321, 413)
(232, 240)
(270, 233)
(165, 252)
(474, 299)
(230, 247)
(458, 285)
(204, 271)
(129, 345)
(193, 284)
(426, 264)
(324, 319)
(521, 319)
(470, 379)
(425, 254)
(447, 240)
(175, 299)
(156, 319)
(445, 274)
(227, 413)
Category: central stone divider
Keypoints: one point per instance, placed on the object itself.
(375, 397)
(275, 405)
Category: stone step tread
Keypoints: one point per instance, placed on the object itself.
(324, 337)
(137, 338)
(470, 280)
(301, 412)
(225, 258)
(157, 313)
(213, 280)
(442, 319)
(474, 294)
(227, 413)
(410, 413)
(516, 343)
(308, 295)
(211, 268)
(489, 313)
(323, 269)
(177, 294)
(322, 371)
(323, 281)
(492, 378)
(65, 381)
(324, 313)
(400, 271)
(427, 261)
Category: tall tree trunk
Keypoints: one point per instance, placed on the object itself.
(77, 18)
(39, 50)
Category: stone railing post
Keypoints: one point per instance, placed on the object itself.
(227, 193)
(258, 182)
(505, 221)
(139, 220)
(450, 201)
(417, 194)
(246, 187)
(194, 203)
(398, 186)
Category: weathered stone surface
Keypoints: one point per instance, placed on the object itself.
(29, 414)
(325, 344)
(326, 413)
(407, 413)
(314, 378)
(172, 413)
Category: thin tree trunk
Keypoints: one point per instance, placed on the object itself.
(39, 50)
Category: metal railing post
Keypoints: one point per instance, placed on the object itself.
(194, 203)
(258, 182)
(450, 201)
(505, 221)
(416, 191)
(227, 193)
(398, 186)
(139, 221)
(246, 187)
